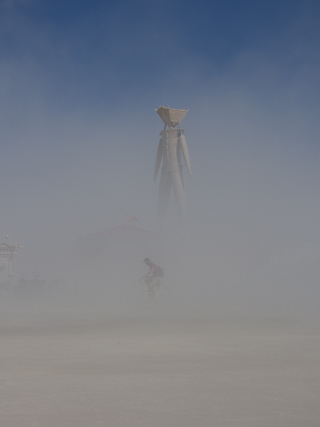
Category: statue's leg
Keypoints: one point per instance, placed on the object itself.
(180, 195)
(164, 194)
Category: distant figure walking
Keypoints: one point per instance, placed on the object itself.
(152, 278)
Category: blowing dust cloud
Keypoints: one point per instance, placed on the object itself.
(159, 267)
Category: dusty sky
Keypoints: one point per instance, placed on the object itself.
(78, 89)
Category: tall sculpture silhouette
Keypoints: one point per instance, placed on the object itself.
(171, 145)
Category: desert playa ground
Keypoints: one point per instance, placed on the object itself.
(93, 369)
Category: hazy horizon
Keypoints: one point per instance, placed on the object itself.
(79, 132)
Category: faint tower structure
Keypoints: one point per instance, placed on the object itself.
(171, 148)
(7, 259)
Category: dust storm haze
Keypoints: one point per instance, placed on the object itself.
(233, 337)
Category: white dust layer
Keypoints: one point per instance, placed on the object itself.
(81, 369)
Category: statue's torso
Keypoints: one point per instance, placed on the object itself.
(170, 162)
